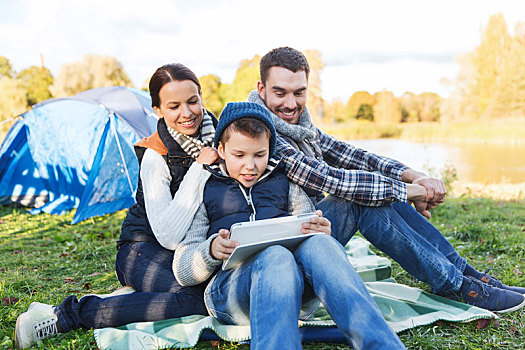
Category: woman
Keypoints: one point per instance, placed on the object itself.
(151, 229)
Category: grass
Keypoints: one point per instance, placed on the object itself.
(502, 131)
(45, 259)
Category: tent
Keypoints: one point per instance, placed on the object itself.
(77, 152)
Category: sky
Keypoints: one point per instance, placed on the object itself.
(370, 45)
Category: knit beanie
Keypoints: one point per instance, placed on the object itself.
(238, 110)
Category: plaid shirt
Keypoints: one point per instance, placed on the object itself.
(344, 171)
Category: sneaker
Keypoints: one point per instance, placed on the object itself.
(485, 296)
(37, 323)
(494, 282)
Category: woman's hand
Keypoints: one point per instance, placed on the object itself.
(222, 247)
(208, 155)
(318, 224)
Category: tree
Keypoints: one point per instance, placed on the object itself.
(334, 111)
(245, 80)
(386, 108)
(429, 107)
(93, 72)
(211, 93)
(5, 68)
(315, 99)
(366, 112)
(12, 100)
(355, 102)
(36, 81)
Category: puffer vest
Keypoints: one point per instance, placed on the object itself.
(228, 202)
(136, 227)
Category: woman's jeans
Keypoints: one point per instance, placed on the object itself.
(267, 290)
(147, 267)
(403, 234)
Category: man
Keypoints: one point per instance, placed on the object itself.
(360, 198)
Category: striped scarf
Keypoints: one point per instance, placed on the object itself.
(193, 145)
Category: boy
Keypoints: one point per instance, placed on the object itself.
(268, 290)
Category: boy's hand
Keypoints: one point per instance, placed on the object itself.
(319, 224)
(208, 155)
(221, 246)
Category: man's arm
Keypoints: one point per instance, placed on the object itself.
(343, 155)
(363, 187)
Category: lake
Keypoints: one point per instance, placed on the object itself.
(487, 163)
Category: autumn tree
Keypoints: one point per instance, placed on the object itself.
(386, 108)
(5, 68)
(315, 99)
(211, 93)
(429, 107)
(93, 72)
(245, 80)
(12, 101)
(355, 102)
(36, 81)
(334, 111)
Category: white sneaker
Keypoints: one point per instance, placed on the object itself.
(37, 323)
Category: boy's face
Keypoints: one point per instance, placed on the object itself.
(246, 157)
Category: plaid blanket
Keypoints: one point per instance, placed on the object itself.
(403, 308)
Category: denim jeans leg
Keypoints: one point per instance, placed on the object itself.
(386, 229)
(94, 312)
(147, 267)
(264, 292)
(430, 233)
(326, 268)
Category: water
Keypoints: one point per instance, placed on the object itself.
(487, 163)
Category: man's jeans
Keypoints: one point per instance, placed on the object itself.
(267, 290)
(145, 266)
(403, 234)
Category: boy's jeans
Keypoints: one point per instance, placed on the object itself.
(403, 234)
(267, 290)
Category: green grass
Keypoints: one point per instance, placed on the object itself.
(45, 259)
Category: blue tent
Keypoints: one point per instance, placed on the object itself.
(77, 152)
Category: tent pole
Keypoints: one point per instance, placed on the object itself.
(112, 123)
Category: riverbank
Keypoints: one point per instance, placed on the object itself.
(502, 131)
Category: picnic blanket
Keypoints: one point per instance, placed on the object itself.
(403, 308)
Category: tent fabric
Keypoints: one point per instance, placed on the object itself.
(403, 308)
(76, 152)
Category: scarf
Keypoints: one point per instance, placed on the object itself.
(193, 145)
(303, 134)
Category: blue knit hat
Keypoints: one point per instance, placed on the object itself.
(238, 110)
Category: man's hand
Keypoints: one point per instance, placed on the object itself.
(208, 155)
(221, 246)
(436, 191)
(318, 224)
(417, 194)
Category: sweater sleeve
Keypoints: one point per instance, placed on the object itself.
(192, 261)
(298, 201)
(170, 217)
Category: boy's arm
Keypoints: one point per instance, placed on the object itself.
(192, 262)
(298, 201)
(359, 186)
(170, 217)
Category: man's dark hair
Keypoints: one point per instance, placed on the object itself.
(166, 74)
(285, 57)
(251, 127)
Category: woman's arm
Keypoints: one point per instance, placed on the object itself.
(169, 217)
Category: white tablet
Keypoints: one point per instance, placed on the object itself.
(255, 236)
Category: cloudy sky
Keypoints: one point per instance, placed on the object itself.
(367, 45)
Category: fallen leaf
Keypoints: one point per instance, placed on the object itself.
(18, 251)
(517, 272)
(9, 300)
(87, 286)
(483, 323)
(63, 255)
(95, 274)
(438, 323)
(496, 323)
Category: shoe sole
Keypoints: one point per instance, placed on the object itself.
(18, 341)
(514, 308)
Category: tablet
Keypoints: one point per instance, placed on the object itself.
(255, 236)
